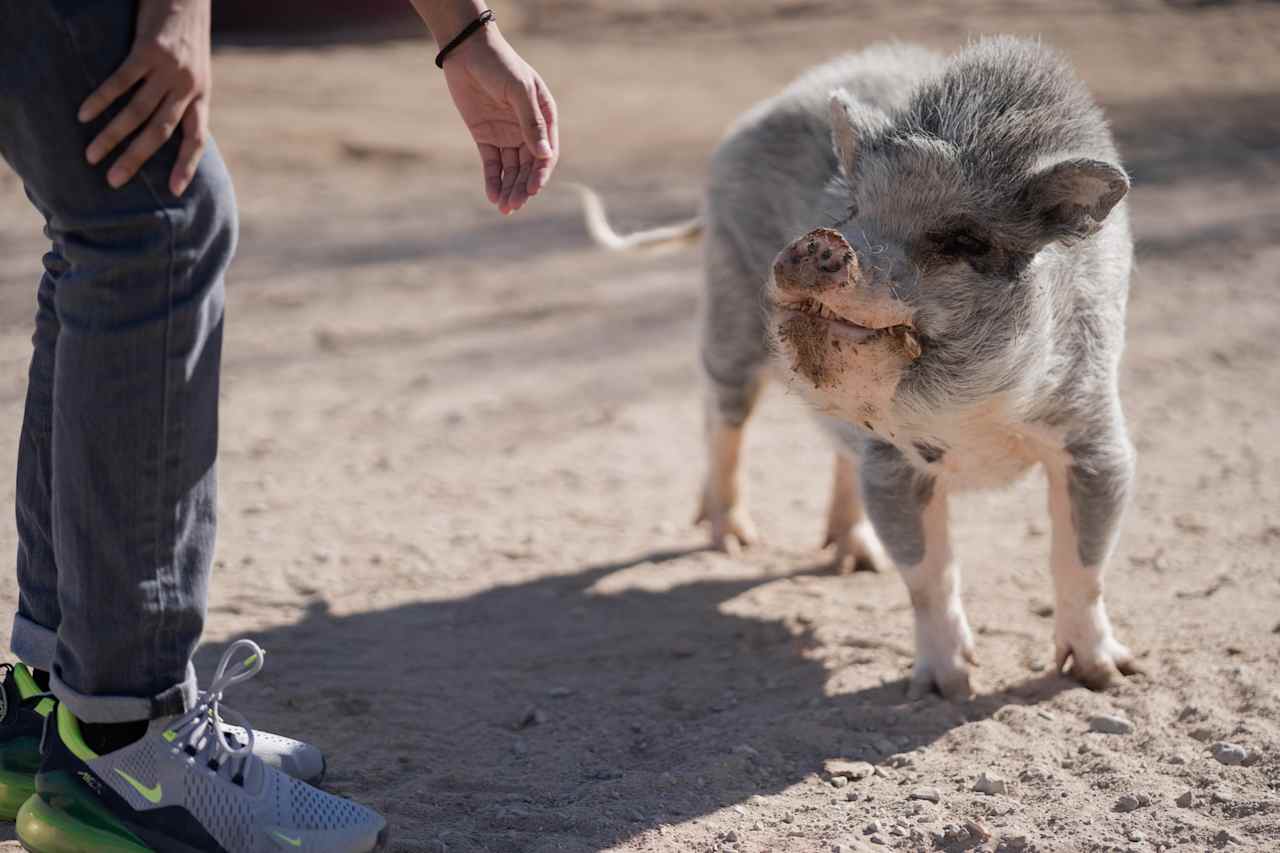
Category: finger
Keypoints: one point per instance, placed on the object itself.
(157, 132)
(542, 169)
(492, 162)
(510, 167)
(129, 119)
(121, 81)
(195, 123)
(520, 192)
(533, 126)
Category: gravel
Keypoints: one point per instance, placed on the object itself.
(990, 784)
(1230, 754)
(1109, 724)
(1132, 802)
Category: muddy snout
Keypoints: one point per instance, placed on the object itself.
(820, 260)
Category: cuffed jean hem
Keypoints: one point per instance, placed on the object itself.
(33, 644)
(97, 708)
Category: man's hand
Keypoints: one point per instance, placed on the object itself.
(169, 65)
(502, 101)
(510, 113)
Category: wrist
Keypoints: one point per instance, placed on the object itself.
(446, 18)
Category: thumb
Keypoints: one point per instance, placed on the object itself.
(532, 124)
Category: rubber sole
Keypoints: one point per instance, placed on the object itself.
(15, 789)
(45, 829)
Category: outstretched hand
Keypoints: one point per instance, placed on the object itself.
(510, 113)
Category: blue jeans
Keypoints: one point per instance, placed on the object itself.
(116, 487)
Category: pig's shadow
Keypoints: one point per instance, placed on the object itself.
(546, 715)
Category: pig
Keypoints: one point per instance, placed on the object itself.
(953, 311)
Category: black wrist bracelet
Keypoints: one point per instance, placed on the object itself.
(485, 17)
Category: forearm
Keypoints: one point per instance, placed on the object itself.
(446, 18)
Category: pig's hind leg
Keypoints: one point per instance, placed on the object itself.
(734, 354)
(1087, 495)
(909, 511)
(857, 548)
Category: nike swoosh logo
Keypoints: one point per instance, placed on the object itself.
(292, 842)
(151, 795)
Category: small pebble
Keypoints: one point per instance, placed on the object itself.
(1131, 802)
(929, 794)
(839, 781)
(977, 829)
(854, 771)
(1175, 758)
(1109, 724)
(1222, 795)
(1013, 842)
(872, 828)
(1135, 836)
(1186, 799)
(1230, 754)
(731, 836)
(991, 784)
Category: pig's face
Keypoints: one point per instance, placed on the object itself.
(932, 293)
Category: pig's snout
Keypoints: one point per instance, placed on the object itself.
(819, 260)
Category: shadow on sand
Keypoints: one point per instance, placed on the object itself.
(551, 715)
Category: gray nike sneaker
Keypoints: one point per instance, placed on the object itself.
(185, 786)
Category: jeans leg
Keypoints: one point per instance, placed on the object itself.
(38, 617)
(139, 308)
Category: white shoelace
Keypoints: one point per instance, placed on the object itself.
(201, 727)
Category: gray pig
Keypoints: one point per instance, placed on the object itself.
(959, 321)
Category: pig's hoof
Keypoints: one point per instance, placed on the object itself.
(820, 259)
(731, 527)
(857, 549)
(952, 683)
(1098, 663)
(944, 651)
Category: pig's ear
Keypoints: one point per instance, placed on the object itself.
(850, 122)
(1071, 198)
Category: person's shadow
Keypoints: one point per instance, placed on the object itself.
(553, 715)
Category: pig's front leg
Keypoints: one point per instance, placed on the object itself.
(1087, 495)
(909, 511)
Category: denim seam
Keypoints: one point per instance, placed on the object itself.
(166, 580)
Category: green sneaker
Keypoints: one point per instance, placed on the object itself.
(23, 709)
(183, 787)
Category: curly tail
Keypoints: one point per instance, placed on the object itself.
(602, 232)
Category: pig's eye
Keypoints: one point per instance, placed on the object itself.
(963, 245)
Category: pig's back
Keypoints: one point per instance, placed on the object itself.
(768, 174)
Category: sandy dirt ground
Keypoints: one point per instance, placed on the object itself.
(460, 457)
